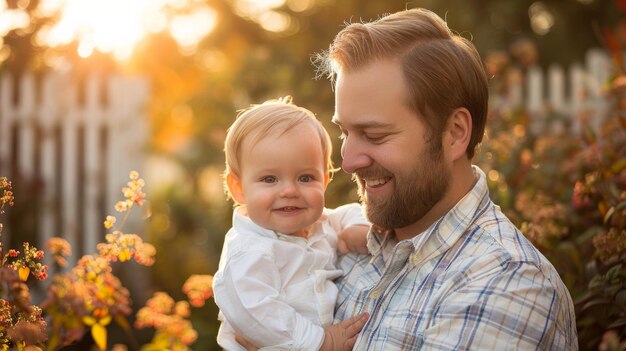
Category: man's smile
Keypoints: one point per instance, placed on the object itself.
(376, 182)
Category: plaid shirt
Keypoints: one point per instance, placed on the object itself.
(471, 281)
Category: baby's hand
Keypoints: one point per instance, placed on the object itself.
(342, 336)
(353, 239)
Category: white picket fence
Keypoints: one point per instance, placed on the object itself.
(578, 92)
(80, 141)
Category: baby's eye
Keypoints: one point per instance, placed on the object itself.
(305, 178)
(269, 179)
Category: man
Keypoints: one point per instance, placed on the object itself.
(450, 272)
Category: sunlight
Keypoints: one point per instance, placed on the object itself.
(117, 26)
(274, 21)
(263, 12)
(541, 19)
(10, 19)
(189, 29)
(253, 8)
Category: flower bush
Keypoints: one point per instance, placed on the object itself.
(566, 191)
(89, 297)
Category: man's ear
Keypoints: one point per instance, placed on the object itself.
(235, 187)
(458, 133)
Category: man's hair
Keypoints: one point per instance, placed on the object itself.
(271, 118)
(442, 70)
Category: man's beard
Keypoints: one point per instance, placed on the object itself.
(415, 192)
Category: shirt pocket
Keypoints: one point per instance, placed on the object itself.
(398, 339)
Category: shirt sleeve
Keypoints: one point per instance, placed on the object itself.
(516, 308)
(248, 295)
(347, 215)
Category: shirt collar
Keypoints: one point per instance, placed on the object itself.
(444, 232)
(241, 222)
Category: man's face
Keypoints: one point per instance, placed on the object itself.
(398, 165)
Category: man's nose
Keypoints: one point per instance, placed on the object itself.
(353, 155)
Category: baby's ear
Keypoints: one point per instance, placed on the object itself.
(235, 187)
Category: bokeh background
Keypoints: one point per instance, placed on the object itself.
(202, 60)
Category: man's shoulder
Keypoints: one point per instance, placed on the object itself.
(495, 233)
(494, 240)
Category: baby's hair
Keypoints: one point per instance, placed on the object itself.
(273, 117)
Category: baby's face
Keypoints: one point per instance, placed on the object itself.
(283, 179)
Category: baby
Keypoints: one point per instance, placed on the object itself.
(274, 285)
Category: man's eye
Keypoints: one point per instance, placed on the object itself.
(269, 179)
(305, 178)
(374, 137)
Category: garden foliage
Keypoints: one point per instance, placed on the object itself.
(88, 297)
(566, 190)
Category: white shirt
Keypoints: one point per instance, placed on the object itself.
(276, 290)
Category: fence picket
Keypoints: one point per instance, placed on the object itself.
(93, 118)
(53, 137)
(556, 84)
(534, 99)
(47, 119)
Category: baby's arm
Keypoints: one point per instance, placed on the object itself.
(353, 239)
(352, 228)
(248, 295)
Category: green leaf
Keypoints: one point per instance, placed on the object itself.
(160, 342)
(608, 214)
(618, 166)
(153, 347)
(620, 298)
(597, 302)
(89, 321)
(122, 322)
(614, 272)
(99, 334)
(597, 281)
(618, 323)
(54, 341)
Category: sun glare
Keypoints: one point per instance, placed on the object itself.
(116, 26)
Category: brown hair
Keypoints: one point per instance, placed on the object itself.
(270, 118)
(442, 70)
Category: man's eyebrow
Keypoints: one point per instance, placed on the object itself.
(362, 125)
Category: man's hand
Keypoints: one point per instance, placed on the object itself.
(342, 336)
